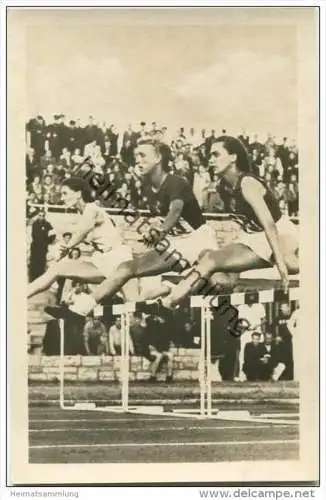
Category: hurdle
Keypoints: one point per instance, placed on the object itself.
(205, 409)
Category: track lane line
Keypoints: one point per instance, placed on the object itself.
(179, 444)
(137, 429)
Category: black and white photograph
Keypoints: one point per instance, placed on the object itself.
(167, 237)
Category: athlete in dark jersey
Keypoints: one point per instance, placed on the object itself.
(241, 211)
(175, 188)
(267, 238)
(172, 197)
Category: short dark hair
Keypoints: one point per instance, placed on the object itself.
(67, 233)
(76, 249)
(255, 334)
(79, 184)
(161, 148)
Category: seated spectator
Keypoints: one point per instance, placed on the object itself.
(254, 315)
(97, 160)
(159, 343)
(36, 190)
(269, 358)
(274, 173)
(52, 171)
(77, 158)
(138, 335)
(280, 359)
(115, 339)
(51, 191)
(47, 158)
(65, 159)
(253, 352)
(89, 149)
(94, 335)
(282, 327)
(185, 338)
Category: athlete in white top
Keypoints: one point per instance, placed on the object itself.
(95, 226)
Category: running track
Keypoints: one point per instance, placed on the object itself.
(58, 436)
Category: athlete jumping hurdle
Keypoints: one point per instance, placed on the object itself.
(95, 224)
(169, 196)
(268, 237)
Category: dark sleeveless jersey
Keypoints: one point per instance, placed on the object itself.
(241, 211)
(176, 188)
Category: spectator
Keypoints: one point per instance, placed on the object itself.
(51, 191)
(254, 314)
(94, 334)
(269, 358)
(115, 339)
(244, 138)
(127, 153)
(187, 153)
(36, 131)
(253, 352)
(281, 328)
(77, 158)
(138, 335)
(113, 137)
(293, 197)
(91, 132)
(159, 343)
(42, 235)
(65, 159)
(35, 189)
(90, 149)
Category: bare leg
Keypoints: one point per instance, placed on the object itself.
(130, 290)
(234, 258)
(156, 364)
(148, 264)
(84, 271)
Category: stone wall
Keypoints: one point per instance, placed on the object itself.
(107, 368)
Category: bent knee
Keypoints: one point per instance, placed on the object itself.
(208, 260)
(203, 254)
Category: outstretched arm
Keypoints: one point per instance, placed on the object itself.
(253, 193)
(159, 230)
(85, 226)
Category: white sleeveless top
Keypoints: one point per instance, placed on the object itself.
(106, 235)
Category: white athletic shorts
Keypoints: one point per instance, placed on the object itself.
(191, 245)
(259, 243)
(108, 262)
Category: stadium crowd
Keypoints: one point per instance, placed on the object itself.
(54, 150)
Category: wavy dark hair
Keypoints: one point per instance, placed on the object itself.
(235, 146)
(79, 184)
